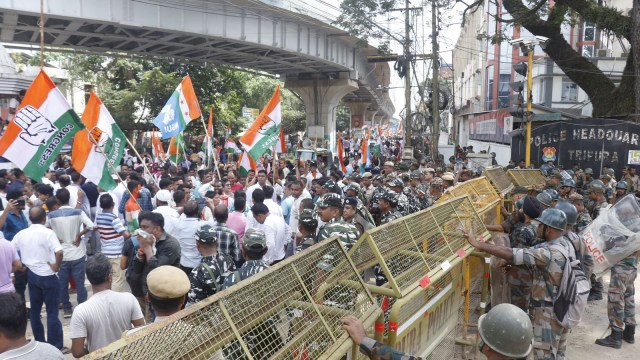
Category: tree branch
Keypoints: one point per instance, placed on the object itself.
(603, 17)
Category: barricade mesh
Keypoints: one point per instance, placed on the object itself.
(290, 311)
(419, 245)
(531, 178)
(482, 194)
(499, 179)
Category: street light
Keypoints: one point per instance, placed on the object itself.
(526, 46)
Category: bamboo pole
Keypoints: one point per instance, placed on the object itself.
(41, 34)
(141, 159)
(215, 162)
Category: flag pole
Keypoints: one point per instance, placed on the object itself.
(115, 172)
(215, 162)
(273, 166)
(141, 159)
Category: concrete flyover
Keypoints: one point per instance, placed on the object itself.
(321, 63)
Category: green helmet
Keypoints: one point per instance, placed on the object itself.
(596, 182)
(569, 183)
(545, 198)
(507, 330)
(553, 218)
(254, 239)
(621, 185)
(206, 234)
(553, 193)
(588, 171)
(569, 210)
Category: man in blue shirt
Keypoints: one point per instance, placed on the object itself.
(15, 222)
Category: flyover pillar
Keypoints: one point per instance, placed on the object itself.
(321, 97)
(358, 110)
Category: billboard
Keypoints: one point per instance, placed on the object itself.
(493, 126)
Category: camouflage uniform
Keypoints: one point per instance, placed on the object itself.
(596, 208)
(403, 205)
(376, 350)
(620, 304)
(247, 269)
(412, 199)
(307, 241)
(208, 277)
(426, 200)
(520, 278)
(390, 216)
(549, 337)
(584, 219)
(347, 233)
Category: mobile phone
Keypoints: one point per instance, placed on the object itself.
(20, 202)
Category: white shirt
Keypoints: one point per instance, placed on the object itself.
(274, 208)
(119, 192)
(278, 236)
(185, 234)
(37, 246)
(293, 216)
(104, 317)
(250, 192)
(170, 216)
(67, 222)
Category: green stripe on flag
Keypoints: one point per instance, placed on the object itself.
(113, 149)
(67, 125)
(267, 141)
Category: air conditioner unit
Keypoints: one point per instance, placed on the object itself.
(603, 53)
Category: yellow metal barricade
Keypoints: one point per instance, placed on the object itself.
(529, 178)
(290, 311)
(500, 180)
(485, 198)
(421, 257)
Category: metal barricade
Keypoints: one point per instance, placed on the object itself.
(500, 180)
(485, 199)
(529, 178)
(290, 311)
(421, 257)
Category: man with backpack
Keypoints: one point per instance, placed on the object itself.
(549, 261)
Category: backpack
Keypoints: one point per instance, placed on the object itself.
(570, 301)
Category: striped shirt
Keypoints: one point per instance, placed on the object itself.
(110, 228)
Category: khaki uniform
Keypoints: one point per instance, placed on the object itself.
(620, 305)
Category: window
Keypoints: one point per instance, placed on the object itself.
(589, 33)
(587, 50)
(569, 91)
(489, 102)
(504, 91)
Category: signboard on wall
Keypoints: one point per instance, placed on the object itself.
(493, 126)
(589, 143)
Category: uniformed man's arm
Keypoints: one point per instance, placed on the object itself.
(371, 348)
(539, 256)
(502, 252)
(196, 293)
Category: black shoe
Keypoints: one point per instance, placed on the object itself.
(594, 296)
(628, 333)
(614, 340)
(68, 313)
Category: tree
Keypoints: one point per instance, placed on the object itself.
(359, 18)
(545, 19)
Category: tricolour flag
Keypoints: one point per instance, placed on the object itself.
(176, 146)
(231, 145)
(43, 124)
(100, 130)
(246, 163)
(264, 132)
(340, 154)
(281, 147)
(181, 108)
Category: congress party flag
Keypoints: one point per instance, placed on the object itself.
(265, 130)
(181, 108)
(43, 124)
(281, 146)
(343, 168)
(100, 131)
(176, 147)
(246, 163)
(156, 146)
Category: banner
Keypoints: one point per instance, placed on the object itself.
(493, 126)
(587, 143)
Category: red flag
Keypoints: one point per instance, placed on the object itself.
(340, 152)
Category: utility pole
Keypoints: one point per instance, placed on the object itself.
(527, 146)
(435, 83)
(407, 71)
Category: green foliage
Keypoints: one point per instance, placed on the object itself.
(343, 117)
(359, 15)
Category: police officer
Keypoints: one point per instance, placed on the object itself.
(549, 335)
(584, 219)
(254, 246)
(404, 207)
(379, 189)
(330, 208)
(209, 276)
(520, 277)
(435, 189)
(596, 195)
(566, 188)
(505, 333)
(307, 226)
(620, 303)
(586, 179)
(350, 212)
(621, 190)
(580, 247)
(387, 203)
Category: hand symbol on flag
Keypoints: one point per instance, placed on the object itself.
(36, 127)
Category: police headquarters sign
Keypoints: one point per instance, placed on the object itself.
(589, 143)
